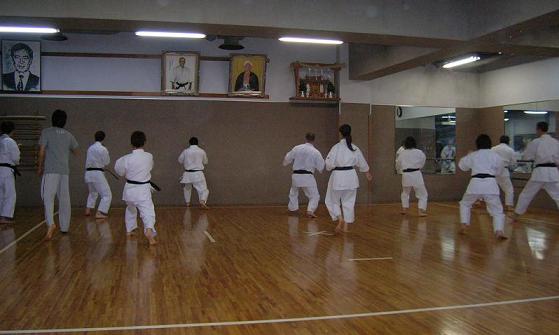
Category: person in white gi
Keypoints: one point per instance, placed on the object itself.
(398, 152)
(55, 145)
(448, 154)
(504, 182)
(97, 159)
(343, 183)
(182, 76)
(193, 160)
(9, 159)
(306, 159)
(485, 164)
(136, 168)
(410, 161)
(544, 151)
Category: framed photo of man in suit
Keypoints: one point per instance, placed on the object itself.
(247, 75)
(21, 66)
(180, 73)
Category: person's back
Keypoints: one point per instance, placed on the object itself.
(58, 144)
(193, 158)
(484, 165)
(307, 157)
(137, 166)
(411, 159)
(97, 156)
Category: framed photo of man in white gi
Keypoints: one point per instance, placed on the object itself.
(180, 73)
(21, 66)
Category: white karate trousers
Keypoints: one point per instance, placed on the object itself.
(506, 185)
(200, 187)
(494, 207)
(347, 200)
(147, 213)
(311, 192)
(530, 191)
(420, 193)
(7, 196)
(100, 188)
(54, 184)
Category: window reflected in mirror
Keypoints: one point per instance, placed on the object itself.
(520, 126)
(434, 129)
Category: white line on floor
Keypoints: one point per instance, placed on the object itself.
(23, 236)
(271, 321)
(369, 259)
(209, 236)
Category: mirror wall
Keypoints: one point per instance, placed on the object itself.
(520, 126)
(434, 129)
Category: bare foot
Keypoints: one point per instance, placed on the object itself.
(509, 209)
(292, 213)
(514, 218)
(87, 212)
(340, 225)
(422, 213)
(150, 236)
(4, 220)
(204, 206)
(404, 211)
(346, 227)
(311, 215)
(188, 204)
(500, 235)
(131, 233)
(464, 229)
(50, 232)
(100, 215)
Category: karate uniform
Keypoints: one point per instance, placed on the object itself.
(343, 184)
(542, 150)
(98, 157)
(487, 162)
(193, 159)
(503, 180)
(448, 153)
(9, 154)
(398, 152)
(412, 159)
(305, 157)
(137, 166)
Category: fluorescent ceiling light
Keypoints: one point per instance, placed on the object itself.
(28, 30)
(506, 120)
(462, 61)
(309, 40)
(535, 112)
(505, 111)
(169, 34)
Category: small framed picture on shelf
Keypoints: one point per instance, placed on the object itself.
(180, 73)
(247, 75)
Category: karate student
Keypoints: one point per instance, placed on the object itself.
(97, 159)
(544, 151)
(485, 164)
(193, 159)
(305, 158)
(343, 183)
(136, 168)
(9, 159)
(504, 182)
(410, 161)
(55, 146)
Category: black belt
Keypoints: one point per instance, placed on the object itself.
(483, 175)
(180, 85)
(13, 167)
(95, 169)
(301, 172)
(192, 170)
(157, 188)
(410, 170)
(343, 168)
(546, 165)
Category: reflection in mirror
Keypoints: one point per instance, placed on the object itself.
(520, 127)
(434, 129)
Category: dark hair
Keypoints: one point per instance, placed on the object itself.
(193, 141)
(309, 137)
(543, 126)
(21, 46)
(345, 130)
(138, 139)
(504, 139)
(59, 118)
(99, 136)
(483, 142)
(409, 143)
(7, 127)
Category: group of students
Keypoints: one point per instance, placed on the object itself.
(489, 170)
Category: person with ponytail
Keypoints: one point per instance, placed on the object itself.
(342, 160)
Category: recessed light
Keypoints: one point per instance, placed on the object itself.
(169, 34)
(461, 61)
(310, 40)
(28, 30)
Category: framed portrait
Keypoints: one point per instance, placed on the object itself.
(247, 75)
(180, 73)
(21, 66)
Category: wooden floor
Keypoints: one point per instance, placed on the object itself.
(265, 268)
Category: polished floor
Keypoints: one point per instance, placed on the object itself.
(256, 270)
